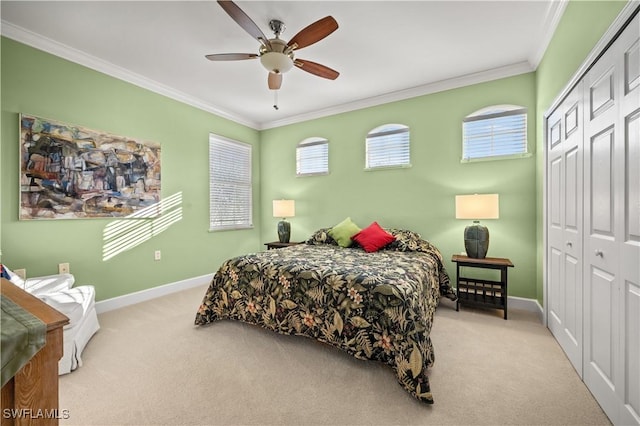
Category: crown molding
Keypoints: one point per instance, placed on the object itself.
(53, 47)
(427, 89)
(552, 19)
(63, 51)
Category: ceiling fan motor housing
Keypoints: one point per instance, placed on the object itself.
(275, 60)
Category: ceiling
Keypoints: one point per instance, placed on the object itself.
(384, 50)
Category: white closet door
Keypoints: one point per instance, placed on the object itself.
(611, 307)
(565, 225)
(628, 227)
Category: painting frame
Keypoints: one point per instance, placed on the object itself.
(73, 172)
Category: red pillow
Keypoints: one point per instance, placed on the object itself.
(373, 238)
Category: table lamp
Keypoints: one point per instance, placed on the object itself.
(475, 207)
(284, 209)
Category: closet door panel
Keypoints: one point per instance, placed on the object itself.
(601, 345)
(602, 369)
(632, 66)
(573, 309)
(573, 174)
(556, 195)
(555, 240)
(601, 194)
(601, 93)
(603, 324)
(632, 179)
(556, 311)
(564, 225)
(629, 227)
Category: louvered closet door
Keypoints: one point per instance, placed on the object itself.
(612, 221)
(564, 249)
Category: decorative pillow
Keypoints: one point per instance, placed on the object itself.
(373, 238)
(408, 241)
(343, 232)
(321, 236)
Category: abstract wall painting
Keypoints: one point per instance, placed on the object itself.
(71, 172)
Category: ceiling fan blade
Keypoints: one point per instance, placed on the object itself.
(274, 80)
(244, 21)
(231, 56)
(314, 32)
(317, 69)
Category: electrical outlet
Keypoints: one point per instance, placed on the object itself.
(157, 255)
(63, 268)
(22, 273)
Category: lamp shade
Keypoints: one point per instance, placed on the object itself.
(284, 208)
(477, 206)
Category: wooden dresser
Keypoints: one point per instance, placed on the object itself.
(31, 396)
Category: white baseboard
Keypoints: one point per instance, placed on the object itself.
(107, 305)
(151, 293)
(525, 304)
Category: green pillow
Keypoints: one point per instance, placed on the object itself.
(343, 232)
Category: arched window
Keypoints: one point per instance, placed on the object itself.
(494, 132)
(312, 157)
(388, 146)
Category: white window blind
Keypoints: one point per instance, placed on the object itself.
(495, 134)
(230, 199)
(388, 146)
(312, 157)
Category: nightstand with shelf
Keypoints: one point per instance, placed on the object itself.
(482, 292)
(278, 244)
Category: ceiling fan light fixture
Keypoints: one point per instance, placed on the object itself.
(276, 62)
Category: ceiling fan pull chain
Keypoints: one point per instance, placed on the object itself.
(275, 100)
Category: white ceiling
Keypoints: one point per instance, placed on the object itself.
(384, 50)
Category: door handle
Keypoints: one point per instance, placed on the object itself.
(569, 244)
(599, 253)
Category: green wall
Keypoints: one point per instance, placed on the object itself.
(38, 83)
(582, 25)
(420, 198)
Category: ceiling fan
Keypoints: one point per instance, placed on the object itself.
(275, 54)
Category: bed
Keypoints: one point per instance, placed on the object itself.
(374, 306)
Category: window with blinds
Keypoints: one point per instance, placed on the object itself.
(312, 157)
(495, 132)
(230, 195)
(388, 146)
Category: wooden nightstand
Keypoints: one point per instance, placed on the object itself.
(278, 244)
(479, 292)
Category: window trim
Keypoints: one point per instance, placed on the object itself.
(309, 142)
(400, 128)
(213, 138)
(483, 114)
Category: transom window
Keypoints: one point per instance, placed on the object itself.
(230, 192)
(312, 157)
(388, 146)
(499, 131)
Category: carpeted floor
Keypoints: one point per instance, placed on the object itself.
(148, 365)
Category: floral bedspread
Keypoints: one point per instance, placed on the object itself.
(375, 306)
